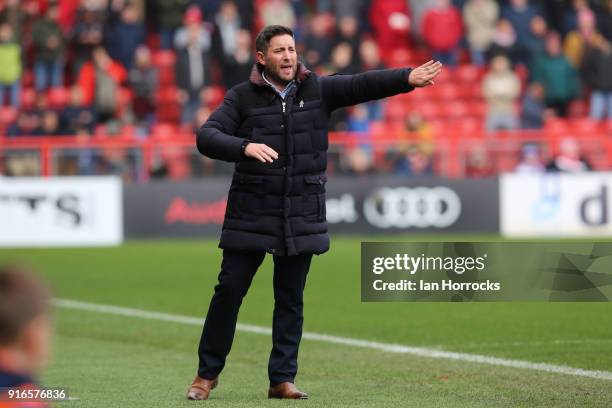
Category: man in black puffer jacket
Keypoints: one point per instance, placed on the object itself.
(274, 127)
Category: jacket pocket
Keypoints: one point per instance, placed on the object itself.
(316, 184)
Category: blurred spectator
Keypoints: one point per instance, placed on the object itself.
(50, 124)
(532, 113)
(200, 117)
(237, 67)
(536, 41)
(25, 332)
(277, 12)
(504, 42)
(100, 80)
(169, 16)
(597, 73)
(480, 17)
(192, 73)
(370, 59)
(571, 15)
(344, 8)
(557, 75)
(143, 79)
(419, 131)
(342, 62)
(604, 19)
(442, 31)
(317, 41)
(67, 10)
(501, 88)
(49, 50)
(10, 61)
(13, 15)
(530, 160)
(358, 120)
(88, 33)
(76, 115)
(27, 124)
(569, 159)
(83, 159)
(478, 163)
(413, 161)
(578, 40)
(415, 141)
(193, 31)
(520, 13)
(348, 32)
(124, 32)
(391, 24)
(227, 28)
(358, 161)
(342, 59)
(418, 8)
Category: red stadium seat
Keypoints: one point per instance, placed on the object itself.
(27, 79)
(429, 110)
(398, 58)
(395, 110)
(164, 131)
(469, 126)
(8, 115)
(28, 98)
(584, 126)
(166, 95)
(522, 72)
(164, 58)
(469, 73)
(166, 76)
(556, 125)
(58, 97)
(578, 109)
(448, 92)
(455, 109)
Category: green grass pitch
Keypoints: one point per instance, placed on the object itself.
(119, 361)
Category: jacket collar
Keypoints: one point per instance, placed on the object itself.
(257, 79)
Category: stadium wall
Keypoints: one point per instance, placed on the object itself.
(98, 211)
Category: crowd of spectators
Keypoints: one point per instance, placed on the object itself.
(72, 66)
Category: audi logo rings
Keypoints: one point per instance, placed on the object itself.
(420, 207)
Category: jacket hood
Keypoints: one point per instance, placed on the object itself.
(257, 78)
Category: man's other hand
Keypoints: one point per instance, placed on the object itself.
(425, 74)
(260, 152)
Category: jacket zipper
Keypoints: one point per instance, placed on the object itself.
(283, 106)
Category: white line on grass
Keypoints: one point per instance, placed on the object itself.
(386, 347)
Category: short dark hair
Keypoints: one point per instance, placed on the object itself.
(262, 42)
(23, 297)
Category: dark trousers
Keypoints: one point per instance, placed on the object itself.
(237, 271)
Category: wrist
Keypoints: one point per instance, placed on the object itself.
(243, 148)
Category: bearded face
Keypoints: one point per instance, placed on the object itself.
(280, 59)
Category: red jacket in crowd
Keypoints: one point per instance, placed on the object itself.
(442, 29)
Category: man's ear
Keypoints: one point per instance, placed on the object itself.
(260, 58)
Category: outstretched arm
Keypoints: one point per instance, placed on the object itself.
(345, 90)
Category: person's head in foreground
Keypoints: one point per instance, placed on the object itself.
(276, 54)
(25, 326)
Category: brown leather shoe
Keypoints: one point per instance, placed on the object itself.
(286, 390)
(200, 388)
